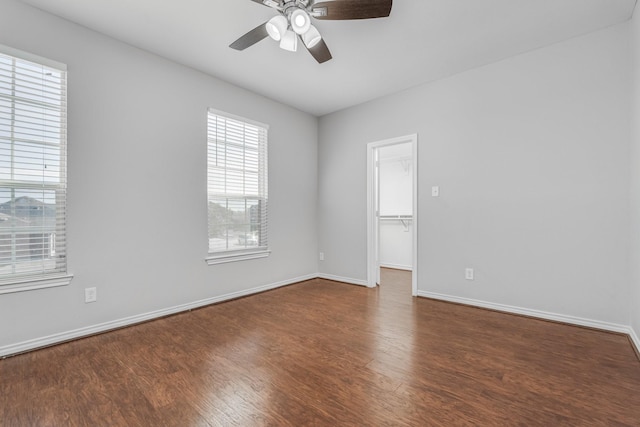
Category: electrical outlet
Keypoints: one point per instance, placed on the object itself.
(90, 295)
(321, 256)
(468, 273)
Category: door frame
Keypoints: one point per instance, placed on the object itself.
(373, 245)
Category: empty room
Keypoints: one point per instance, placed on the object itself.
(307, 212)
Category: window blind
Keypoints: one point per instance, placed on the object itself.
(33, 134)
(237, 184)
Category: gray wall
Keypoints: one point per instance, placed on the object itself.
(137, 211)
(634, 301)
(531, 156)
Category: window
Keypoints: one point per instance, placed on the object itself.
(32, 172)
(237, 188)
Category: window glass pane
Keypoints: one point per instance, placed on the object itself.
(251, 182)
(237, 183)
(34, 122)
(28, 226)
(217, 183)
(32, 150)
(251, 160)
(218, 218)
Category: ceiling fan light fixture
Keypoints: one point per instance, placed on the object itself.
(300, 21)
(311, 37)
(277, 27)
(289, 41)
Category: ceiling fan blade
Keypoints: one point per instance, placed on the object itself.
(320, 51)
(251, 38)
(351, 9)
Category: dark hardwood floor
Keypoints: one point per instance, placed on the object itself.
(329, 354)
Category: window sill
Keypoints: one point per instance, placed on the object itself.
(239, 256)
(32, 284)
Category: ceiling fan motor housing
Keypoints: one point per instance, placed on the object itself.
(294, 22)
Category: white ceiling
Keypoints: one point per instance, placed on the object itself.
(422, 41)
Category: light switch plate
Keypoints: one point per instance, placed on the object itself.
(90, 295)
(468, 273)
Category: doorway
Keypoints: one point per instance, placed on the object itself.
(392, 220)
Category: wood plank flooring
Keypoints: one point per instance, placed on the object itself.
(321, 353)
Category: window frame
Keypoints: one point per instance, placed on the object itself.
(233, 255)
(59, 277)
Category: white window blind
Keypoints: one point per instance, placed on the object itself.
(237, 187)
(33, 132)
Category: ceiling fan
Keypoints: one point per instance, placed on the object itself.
(294, 22)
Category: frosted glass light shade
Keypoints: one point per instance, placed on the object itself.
(300, 21)
(311, 37)
(276, 27)
(289, 41)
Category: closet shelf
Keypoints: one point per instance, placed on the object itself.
(396, 217)
(404, 219)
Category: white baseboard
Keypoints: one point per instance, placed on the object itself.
(342, 279)
(579, 321)
(397, 266)
(127, 321)
(635, 340)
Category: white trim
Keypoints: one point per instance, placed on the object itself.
(237, 118)
(372, 262)
(36, 343)
(563, 318)
(348, 280)
(26, 56)
(396, 266)
(414, 260)
(635, 340)
(39, 283)
(372, 250)
(233, 257)
(131, 320)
